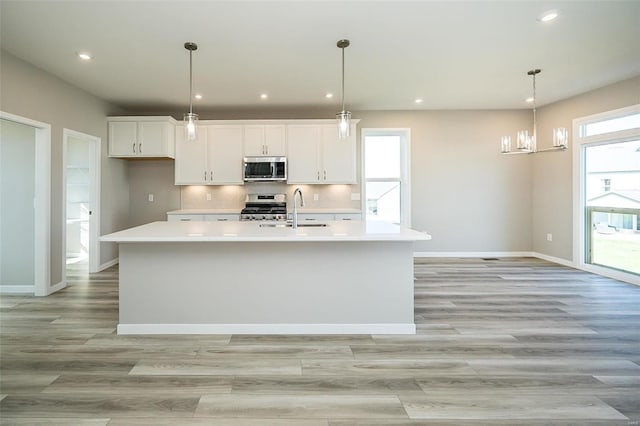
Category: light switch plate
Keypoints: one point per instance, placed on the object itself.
(316, 197)
(151, 198)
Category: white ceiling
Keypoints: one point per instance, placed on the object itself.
(454, 55)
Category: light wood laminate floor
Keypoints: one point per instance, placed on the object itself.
(499, 342)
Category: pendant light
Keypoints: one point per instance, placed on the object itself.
(526, 143)
(190, 119)
(343, 117)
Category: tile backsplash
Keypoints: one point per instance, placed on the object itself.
(233, 196)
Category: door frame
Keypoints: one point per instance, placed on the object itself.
(94, 196)
(580, 144)
(42, 202)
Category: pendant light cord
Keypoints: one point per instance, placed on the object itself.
(343, 79)
(190, 81)
(535, 127)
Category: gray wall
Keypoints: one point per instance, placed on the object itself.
(17, 191)
(552, 196)
(151, 177)
(466, 194)
(30, 92)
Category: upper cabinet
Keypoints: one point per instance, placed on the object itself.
(140, 137)
(265, 140)
(214, 158)
(315, 155)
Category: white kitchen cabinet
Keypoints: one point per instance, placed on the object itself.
(338, 156)
(206, 217)
(185, 218)
(141, 137)
(214, 158)
(303, 153)
(348, 216)
(316, 155)
(224, 154)
(221, 217)
(265, 140)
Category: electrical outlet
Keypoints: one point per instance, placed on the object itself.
(151, 198)
(316, 197)
(549, 237)
(208, 196)
(355, 196)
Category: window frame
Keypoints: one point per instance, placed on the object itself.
(405, 170)
(580, 219)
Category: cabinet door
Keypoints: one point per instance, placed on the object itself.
(275, 140)
(221, 217)
(123, 138)
(191, 158)
(254, 141)
(302, 153)
(152, 139)
(348, 216)
(338, 156)
(224, 154)
(185, 217)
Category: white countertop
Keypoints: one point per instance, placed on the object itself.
(251, 231)
(237, 211)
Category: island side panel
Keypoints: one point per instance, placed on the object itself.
(266, 283)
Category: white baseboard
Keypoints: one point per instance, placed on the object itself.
(473, 254)
(56, 287)
(108, 264)
(266, 329)
(18, 289)
(553, 259)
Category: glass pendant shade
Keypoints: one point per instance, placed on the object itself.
(505, 144)
(190, 126)
(523, 140)
(560, 137)
(343, 119)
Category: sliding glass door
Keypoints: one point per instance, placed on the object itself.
(608, 209)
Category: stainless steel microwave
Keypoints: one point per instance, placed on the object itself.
(265, 169)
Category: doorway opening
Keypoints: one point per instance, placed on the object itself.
(81, 182)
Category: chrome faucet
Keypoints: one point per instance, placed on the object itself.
(294, 216)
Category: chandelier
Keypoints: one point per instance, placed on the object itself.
(525, 142)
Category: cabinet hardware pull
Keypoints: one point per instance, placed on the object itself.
(318, 174)
(205, 175)
(325, 175)
(140, 148)
(134, 147)
(211, 175)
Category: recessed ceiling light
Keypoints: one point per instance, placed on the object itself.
(84, 56)
(528, 100)
(197, 96)
(329, 95)
(264, 96)
(418, 101)
(548, 16)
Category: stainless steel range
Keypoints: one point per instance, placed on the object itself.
(265, 207)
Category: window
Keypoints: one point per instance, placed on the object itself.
(607, 153)
(385, 169)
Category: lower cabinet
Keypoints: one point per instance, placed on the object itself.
(325, 217)
(209, 217)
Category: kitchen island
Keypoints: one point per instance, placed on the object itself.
(266, 278)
